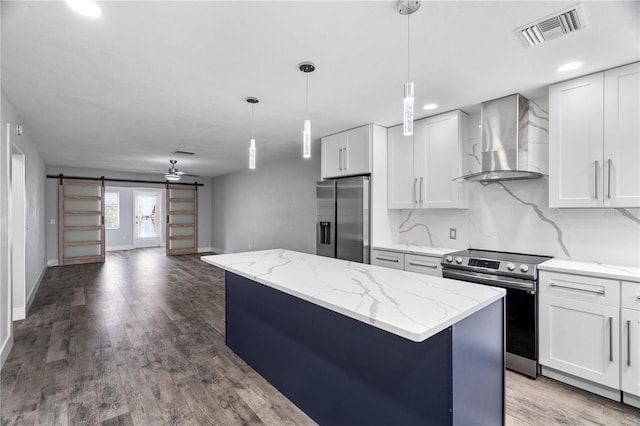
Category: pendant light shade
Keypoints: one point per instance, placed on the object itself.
(407, 121)
(407, 7)
(252, 145)
(306, 67)
(252, 154)
(306, 139)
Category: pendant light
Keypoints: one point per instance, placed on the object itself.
(407, 7)
(252, 146)
(307, 67)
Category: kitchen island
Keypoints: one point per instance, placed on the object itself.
(359, 344)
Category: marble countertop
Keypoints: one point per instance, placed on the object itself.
(408, 304)
(592, 269)
(414, 249)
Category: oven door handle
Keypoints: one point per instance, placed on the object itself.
(498, 281)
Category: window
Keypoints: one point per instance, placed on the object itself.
(112, 210)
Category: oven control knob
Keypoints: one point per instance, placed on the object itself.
(449, 259)
(458, 260)
(524, 268)
(511, 266)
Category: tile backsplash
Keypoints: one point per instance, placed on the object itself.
(515, 215)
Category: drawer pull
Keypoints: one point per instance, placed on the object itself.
(424, 265)
(387, 259)
(610, 339)
(600, 291)
(628, 343)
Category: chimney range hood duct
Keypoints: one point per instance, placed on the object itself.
(504, 141)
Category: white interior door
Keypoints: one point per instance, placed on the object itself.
(146, 218)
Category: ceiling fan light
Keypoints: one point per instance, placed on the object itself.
(171, 177)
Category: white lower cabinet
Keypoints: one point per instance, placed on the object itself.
(429, 265)
(423, 264)
(390, 259)
(630, 343)
(589, 334)
(580, 338)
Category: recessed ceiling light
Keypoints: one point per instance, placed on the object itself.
(430, 106)
(85, 7)
(569, 67)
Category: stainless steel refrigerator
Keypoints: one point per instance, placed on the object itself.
(344, 218)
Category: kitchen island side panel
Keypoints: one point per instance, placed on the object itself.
(337, 369)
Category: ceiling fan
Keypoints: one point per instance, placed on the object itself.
(174, 174)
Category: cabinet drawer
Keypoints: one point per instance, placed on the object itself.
(423, 264)
(575, 287)
(630, 295)
(390, 259)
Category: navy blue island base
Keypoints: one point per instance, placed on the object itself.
(341, 371)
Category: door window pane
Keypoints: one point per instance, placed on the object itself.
(112, 210)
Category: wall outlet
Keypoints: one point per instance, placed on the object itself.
(124, 237)
(453, 233)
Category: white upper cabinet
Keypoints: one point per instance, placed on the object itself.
(622, 136)
(594, 140)
(421, 168)
(347, 153)
(401, 181)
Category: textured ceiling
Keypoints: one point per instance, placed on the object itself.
(124, 91)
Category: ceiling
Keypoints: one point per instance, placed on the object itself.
(123, 91)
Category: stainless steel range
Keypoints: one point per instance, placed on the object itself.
(518, 274)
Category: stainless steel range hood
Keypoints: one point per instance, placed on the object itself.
(504, 141)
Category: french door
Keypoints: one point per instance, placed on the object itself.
(182, 219)
(147, 213)
(81, 234)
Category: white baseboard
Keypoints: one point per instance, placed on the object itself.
(35, 288)
(581, 383)
(52, 262)
(118, 248)
(205, 249)
(215, 250)
(19, 314)
(632, 400)
(6, 348)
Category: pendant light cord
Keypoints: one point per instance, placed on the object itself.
(252, 122)
(408, 47)
(307, 102)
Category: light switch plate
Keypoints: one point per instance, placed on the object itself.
(453, 233)
(52, 222)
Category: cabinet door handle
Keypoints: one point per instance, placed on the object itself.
(628, 343)
(424, 265)
(421, 189)
(346, 158)
(387, 259)
(610, 339)
(609, 179)
(599, 291)
(595, 185)
(340, 160)
(415, 185)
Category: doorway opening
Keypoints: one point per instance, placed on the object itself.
(18, 233)
(147, 228)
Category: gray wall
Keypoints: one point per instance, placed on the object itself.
(204, 202)
(123, 236)
(35, 232)
(273, 206)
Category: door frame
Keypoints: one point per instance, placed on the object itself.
(17, 231)
(160, 192)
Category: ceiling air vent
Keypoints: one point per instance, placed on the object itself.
(554, 26)
(183, 153)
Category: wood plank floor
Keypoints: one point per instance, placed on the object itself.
(140, 340)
